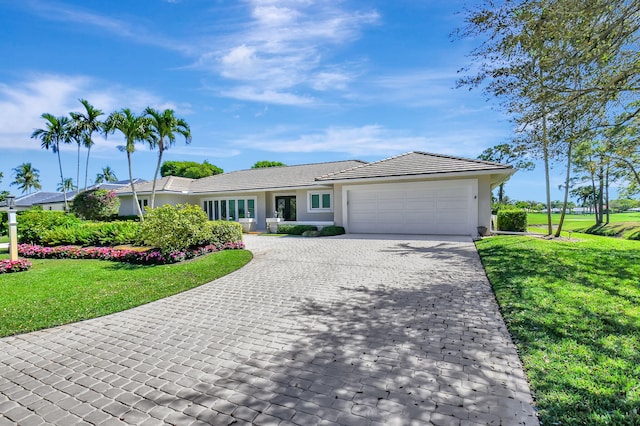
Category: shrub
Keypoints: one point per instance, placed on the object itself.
(170, 228)
(96, 204)
(330, 231)
(7, 266)
(150, 257)
(224, 232)
(512, 220)
(93, 233)
(295, 229)
(4, 223)
(34, 223)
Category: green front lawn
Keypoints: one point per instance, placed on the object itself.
(61, 291)
(573, 309)
(4, 238)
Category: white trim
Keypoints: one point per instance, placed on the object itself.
(310, 209)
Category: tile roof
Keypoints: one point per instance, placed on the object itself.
(37, 197)
(415, 164)
(270, 177)
(165, 184)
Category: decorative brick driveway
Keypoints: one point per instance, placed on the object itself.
(351, 330)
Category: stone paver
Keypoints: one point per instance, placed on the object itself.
(351, 330)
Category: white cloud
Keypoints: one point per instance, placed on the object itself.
(57, 11)
(248, 93)
(23, 102)
(374, 140)
(284, 48)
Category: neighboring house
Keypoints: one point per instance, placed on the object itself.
(413, 193)
(55, 200)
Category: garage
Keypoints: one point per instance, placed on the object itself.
(438, 207)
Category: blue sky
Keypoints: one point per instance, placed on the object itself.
(298, 81)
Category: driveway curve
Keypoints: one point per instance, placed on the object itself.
(350, 330)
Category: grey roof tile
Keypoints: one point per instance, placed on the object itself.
(165, 184)
(270, 177)
(414, 164)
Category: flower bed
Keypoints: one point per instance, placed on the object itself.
(151, 257)
(19, 265)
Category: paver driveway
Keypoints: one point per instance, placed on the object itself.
(347, 330)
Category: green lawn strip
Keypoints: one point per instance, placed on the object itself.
(61, 291)
(580, 220)
(624, 225)
(573, 309)
(4, 238)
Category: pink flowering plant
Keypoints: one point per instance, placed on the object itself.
(150, 257)
(19, 265)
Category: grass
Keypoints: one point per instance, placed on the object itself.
(4, 238)
(624, 225)
(573, 309)
(60, 291)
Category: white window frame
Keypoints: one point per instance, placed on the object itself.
(142, 201)
(310, 209)
(227, 199)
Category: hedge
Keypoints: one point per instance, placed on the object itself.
(33, 224)
(295, 229)
(93, 234)
(330, 231)
(512, 220)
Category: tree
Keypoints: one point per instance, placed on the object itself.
(165, 125)
(505, 154)
(134, 129)
(551, 62)
(189, 169)
(67, 185)
(26, 178)
(52, 136)
(87, 124)
(106, 175)
(96, 204)
(266, 163)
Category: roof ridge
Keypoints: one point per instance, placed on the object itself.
(364, 165)
(293, 165)
(454, 157)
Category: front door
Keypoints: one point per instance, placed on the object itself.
(286, 207)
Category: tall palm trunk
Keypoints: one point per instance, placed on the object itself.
(133, 189)
(64, 193)
(78, 172)
(155, 175)
(86, 169)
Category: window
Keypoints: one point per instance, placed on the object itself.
(230, 208)
(143, 202)
(320, 202)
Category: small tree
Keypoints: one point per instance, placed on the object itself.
(266, 163)
(171, 228)
(96, 204)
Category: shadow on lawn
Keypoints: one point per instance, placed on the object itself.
(576, 304)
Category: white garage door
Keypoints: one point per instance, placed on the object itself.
(448, 207)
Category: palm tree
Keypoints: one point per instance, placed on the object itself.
(74, 133)
(26, 178)
(87, 123)
(134, 129)
(55, 133)
(107, 175)
(165, 125)
(67, 185)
